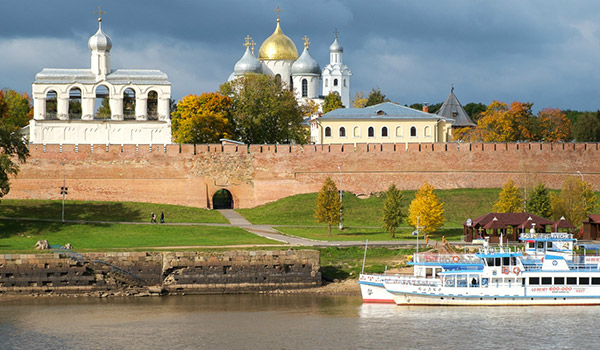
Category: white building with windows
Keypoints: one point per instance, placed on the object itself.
(383, 123)
(278, 57)
(100, 105)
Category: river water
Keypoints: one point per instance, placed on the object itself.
(286, 322)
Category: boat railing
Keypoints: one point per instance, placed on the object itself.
(410, 280)
(497, 249)
(555, 235)
(447, 258)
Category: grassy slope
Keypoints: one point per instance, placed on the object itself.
(363, 216)
(105, 211)
(20, 236)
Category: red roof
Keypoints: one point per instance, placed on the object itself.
(510, 219)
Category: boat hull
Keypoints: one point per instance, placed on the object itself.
(423, 299)
(375, 293)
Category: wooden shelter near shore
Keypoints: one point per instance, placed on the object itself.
(507, 225)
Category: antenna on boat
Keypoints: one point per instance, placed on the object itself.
(364, 257)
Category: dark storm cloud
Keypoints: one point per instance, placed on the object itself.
(545, 52)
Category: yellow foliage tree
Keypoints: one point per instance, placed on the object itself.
(553, 125)
(501, 123)
(575, 202)
(359, 100)
(428, 208)
(328, 204)
(202, 119)
(509, 200)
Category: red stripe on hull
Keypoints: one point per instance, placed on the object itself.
(379, 301)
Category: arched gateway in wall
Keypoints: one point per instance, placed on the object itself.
(222, 199)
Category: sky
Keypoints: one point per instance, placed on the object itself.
(546, 52)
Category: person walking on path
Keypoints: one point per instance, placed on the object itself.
(153, 218)
(162, 217)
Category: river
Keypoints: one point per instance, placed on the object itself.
(286, 322)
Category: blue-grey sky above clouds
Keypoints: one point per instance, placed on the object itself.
(546, 52)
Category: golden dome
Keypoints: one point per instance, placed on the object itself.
(278, 47)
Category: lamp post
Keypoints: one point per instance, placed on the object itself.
(416, 232)
(341, 227)
(63, 191)
(580, 174)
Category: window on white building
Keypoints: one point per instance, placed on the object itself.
(427, 131)
(384, 131)
(371, 132)
(356, 131)
(342, 132)
(398, 131)
(327, 132)
(304, 88)
(335, 82)
(413, 131)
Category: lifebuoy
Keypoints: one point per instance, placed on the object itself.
(517, 270)
(542, 260)
(505, 270)
(455, 258)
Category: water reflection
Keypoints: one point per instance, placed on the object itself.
(284, 322)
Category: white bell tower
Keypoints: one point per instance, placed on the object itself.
(336, 75)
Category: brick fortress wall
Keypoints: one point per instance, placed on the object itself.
(258, 174)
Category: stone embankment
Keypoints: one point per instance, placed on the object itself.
(155, 273)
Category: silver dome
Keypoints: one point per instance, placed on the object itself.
(247, 64)
(305, 64)
(336, 47)
(100, 40)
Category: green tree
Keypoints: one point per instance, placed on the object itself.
(104, 111)
(332, 102)
(428, 208)
(263, 111)
(13, 150)
(587, 127)
(15, 108)
(392, 210)
(509, 200)
(475, 110)
(376, 97)
(328, 204)
(575, 202)
(538, 202)
(202, 119)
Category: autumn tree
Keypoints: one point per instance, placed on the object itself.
(263, 110)
(575, 201)
(359, 100)
(392, 210)
(376, 97)
(202, 119)
(428, 208)
(328, 204)
(587, 127)
(538, 202)
(553, 126)
(332, 102)
(509, 200)
(501, 123)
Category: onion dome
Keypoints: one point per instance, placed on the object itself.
(336, 47)
(278, 47)
(247, 64)
(305, 64)
(100, 41)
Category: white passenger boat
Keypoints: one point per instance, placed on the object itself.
(501, 276)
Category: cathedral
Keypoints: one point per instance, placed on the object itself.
(278, 56)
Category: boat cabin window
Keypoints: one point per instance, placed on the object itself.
(540, 245)
(584, 280)
(559, 280)
(506, 261)
(531, 245)
(595, 280)
(571, 280)
(461, 280)
(534, 280)
(549, 245)
(546, 280)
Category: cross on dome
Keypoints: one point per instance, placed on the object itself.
(99, 13)
(335, 32)
(252, 44)
(247, 43)
(278, 10)
(306, 42)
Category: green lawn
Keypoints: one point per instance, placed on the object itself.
(105, 211)
(342, 263)
(459, 205)
(361, 234)
(21, 236)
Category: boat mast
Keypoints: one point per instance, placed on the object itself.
(364, 257)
